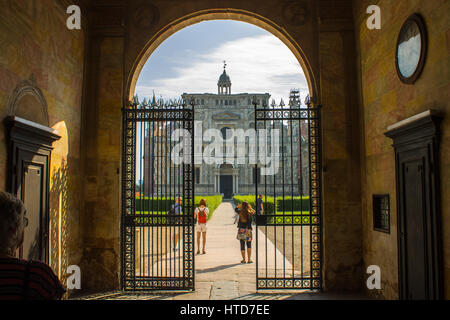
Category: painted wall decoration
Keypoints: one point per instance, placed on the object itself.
(411, 49)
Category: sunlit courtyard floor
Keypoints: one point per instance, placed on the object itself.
(220, 275)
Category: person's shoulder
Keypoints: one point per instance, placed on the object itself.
(13, 264)
(45, 272)
(41, 266)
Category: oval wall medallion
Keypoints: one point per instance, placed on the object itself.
(411, 49)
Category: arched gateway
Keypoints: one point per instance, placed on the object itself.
(159, 158)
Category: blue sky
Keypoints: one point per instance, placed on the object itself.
(191, 60)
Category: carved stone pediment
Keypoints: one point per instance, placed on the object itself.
(226, 115)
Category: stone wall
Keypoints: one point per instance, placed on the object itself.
(36, 44)
(102, 148)
(85, 178)
(386, 100)
(122, 38)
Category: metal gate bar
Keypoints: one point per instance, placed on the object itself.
(289, 257)
(152, 183)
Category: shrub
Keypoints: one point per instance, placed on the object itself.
(288, 204)
(268, 202)
(293, 204)
(161, 205)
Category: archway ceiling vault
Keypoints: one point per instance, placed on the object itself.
(299, 36)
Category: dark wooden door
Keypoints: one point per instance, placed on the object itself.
(226, 186)
(414, 233)
(418, 208)
(29, 153)
(31, 189)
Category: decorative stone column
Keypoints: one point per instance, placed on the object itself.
(235, 180)
(216, 174)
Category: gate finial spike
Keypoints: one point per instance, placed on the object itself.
(307, 100)
(154, 99)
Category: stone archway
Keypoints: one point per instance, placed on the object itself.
(226, 177)
(222, 14)
(124, 34)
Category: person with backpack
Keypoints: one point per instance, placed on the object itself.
(176, 211)
(259, 208)
(201, 215)
(244, 225)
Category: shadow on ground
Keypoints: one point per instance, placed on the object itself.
(218, 268)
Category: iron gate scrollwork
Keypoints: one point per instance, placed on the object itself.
(157, 226)
(288, 237)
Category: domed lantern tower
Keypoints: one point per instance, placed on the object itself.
(224, 84)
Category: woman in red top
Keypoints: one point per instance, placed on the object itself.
(201, 214)
(21, 279)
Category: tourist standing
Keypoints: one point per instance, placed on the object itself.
(244, 225)
(259, 207)
(201, 213)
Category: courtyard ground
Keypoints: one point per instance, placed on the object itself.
(219, 275)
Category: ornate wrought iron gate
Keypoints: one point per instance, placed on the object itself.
(157, 196)
(288, 237)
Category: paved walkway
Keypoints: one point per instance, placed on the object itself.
(219, 273)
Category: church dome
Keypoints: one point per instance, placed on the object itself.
(224, 79)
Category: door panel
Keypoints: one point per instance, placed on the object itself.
(226, 186)
(32, 196)
(414, 227)
(157, 242)
(288, 232)
(416, 146)
(31, 189)
(29, 153)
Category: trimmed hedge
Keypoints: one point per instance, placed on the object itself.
(293, 204)
(162, 205)
(288, 204)
(268, 202)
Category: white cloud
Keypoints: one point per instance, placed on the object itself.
(255, 65)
